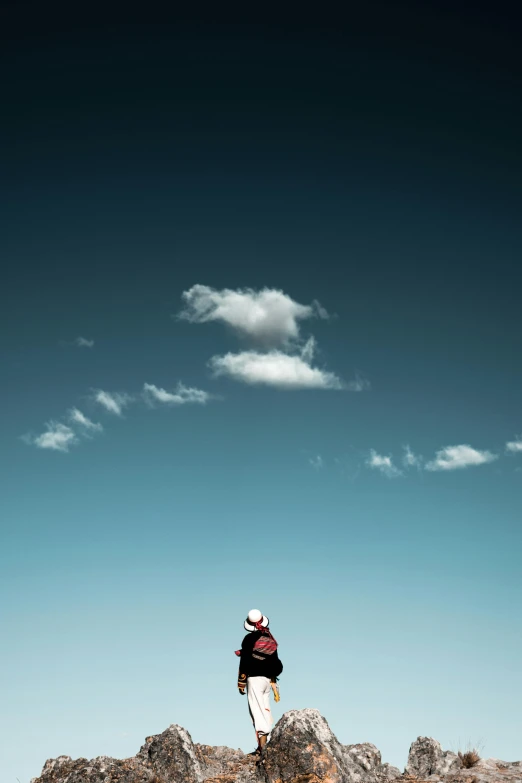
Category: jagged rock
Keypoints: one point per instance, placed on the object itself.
(54, 764)
(172, 756)
(100, 770)
(488, 771)
(388, 772)
(365, 755)
(224, 765)
(302, 749)
(426, 758)
(368, 757)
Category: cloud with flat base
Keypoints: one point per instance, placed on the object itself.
(276, 368)
(459, 457)
(268, 316)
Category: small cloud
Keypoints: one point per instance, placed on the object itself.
(181, 396)
(359, 384)
(411, 460)
(268, 316)
(514, 446)
(308, 350)
(456, 457)
(384, 464)
(83, 342)
(113, 402)
(57, 437)
(316, 462)
(275, 368)
(77, 417)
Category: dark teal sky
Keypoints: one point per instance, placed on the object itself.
(371, 163)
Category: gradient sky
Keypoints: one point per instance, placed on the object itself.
(372, 165)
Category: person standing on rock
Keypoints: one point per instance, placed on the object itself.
(259, 669)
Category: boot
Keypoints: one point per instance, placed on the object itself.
(262, 741)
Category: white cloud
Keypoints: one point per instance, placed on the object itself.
(82, 342)
(455, 457)
(384, 464)
(57, 437)
(114, 402)
(359, 384)
(411, 460)
(514, 446)
(77, 417)
(316, 462)
(183, 394)
(269, 316)
(275, 368)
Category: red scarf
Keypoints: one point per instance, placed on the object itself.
(259, 627)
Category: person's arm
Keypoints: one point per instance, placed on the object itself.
(246, 651)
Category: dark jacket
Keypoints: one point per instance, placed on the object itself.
(256, 664)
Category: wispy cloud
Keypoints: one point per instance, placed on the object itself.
(113, 402)
(60, 436)
(456, 457)
(57, 437)
(359, 384)
(83, 342)
(514, 446)
(268, 316)
(411, 460)
(77, 417)
(316, 462)
(181, 396)
(275, 368)
(384, 464)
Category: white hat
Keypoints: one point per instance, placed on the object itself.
(255, 616)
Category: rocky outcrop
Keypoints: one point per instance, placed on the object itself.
(302, 749)
(224, 765)
(368, 757)
(428, 761)
(100, 770)
(171, 756)
(487, 771)
(426, 758)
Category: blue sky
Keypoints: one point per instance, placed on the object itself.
(260, 348)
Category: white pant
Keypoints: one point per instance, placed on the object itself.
(258, 691)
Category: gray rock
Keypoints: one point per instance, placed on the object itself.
(172, 756)
(365, 755)
(488, 771)
(99, 770)
(388, 772)
(224, 765)
(304, 748)
(426, 758)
